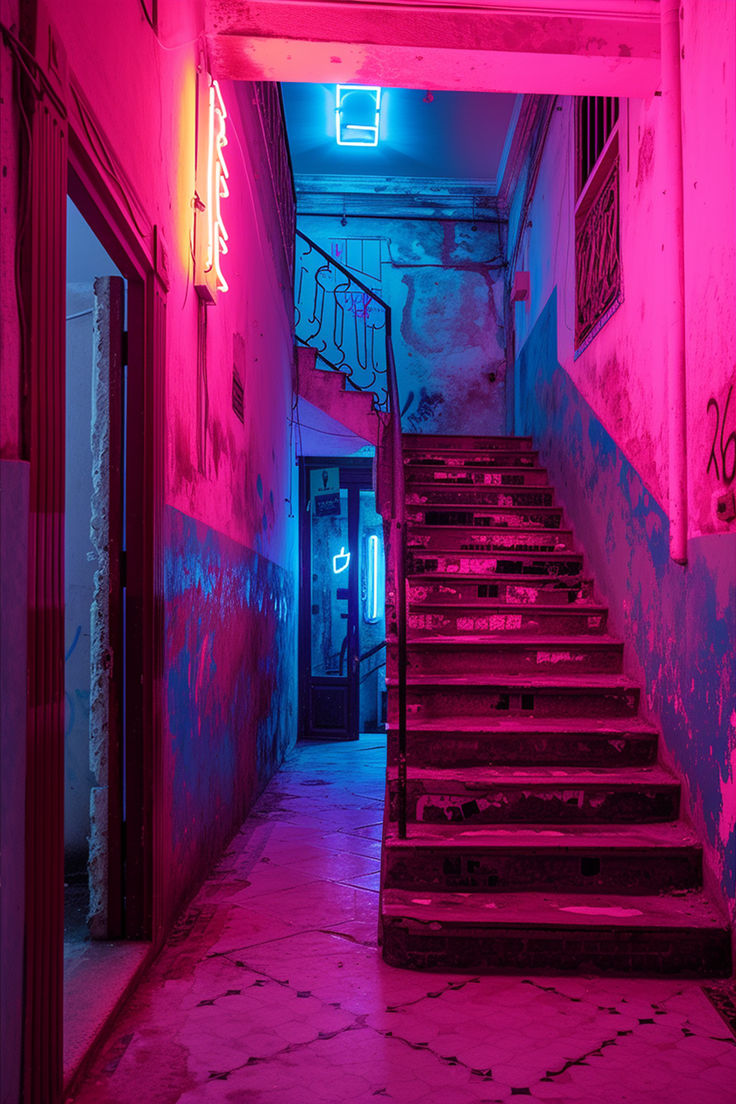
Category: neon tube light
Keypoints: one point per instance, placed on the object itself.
(342, 555)
(217, 186)
(373, 577)
(361, 127)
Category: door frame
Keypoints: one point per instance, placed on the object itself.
(67, 158)
(356, 474)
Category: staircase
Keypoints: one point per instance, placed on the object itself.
(542, 834)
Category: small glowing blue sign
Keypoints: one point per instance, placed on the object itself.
(341, 561)
(357, 114)
(374, 581)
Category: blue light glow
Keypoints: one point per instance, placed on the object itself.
(343, 558)
(357, 114)
(373, 596)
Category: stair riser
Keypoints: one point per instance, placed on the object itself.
(424, 441)
(477, 476)
(485, 566)
(522, 517)
(480, 496)
(469, 870)
(520, 619)
(688, 953)
(503, 542)
(459, 702)
(547, 593)
(480, 458)
(539, 805)
(567, 660)
(454, 749)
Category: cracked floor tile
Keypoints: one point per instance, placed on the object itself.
(272, 989)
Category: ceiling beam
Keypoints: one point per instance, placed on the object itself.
(575, 47)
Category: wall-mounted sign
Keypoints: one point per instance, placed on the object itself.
(357, 114)
(324, 488)
(210, 235)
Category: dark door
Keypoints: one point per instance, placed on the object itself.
(341, 601)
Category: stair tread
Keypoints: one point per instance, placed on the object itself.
(509, 607)
(420, 440)
(435, 553)
(480, 507)
(690, 909)
(513, 580)
(522, 837)
(540, 641)
(596, 680)
(494, 530)
(526, 725)
(562, 777)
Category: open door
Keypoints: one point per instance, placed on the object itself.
(342, 637)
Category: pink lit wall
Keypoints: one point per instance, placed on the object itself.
(622, 372)
(229, 682)
(602, 419)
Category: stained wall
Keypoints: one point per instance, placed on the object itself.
(444, 283)
(601, 419)
(228, 688)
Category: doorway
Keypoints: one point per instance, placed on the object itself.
(97, 892)
(342, 652)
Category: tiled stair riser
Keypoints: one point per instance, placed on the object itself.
(530, 770)
(527, 747)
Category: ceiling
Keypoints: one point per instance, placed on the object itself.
(454, 137)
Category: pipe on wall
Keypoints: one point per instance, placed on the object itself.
(675, 275)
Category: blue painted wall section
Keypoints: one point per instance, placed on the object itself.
(679, 624)
(230, 664)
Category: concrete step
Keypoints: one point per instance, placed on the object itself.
(476, 475)
(479, 618)
(531, 696)
(503, 933)
(567, 858)
(422, 441)
(508, 456)
(537, 795)
(475, 517)
(503, 540)
(476, 494)
(482, 562)
(527, 741)
(518, 654)
(328, 390)
(523, 590)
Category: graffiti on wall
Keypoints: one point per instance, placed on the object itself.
(723, 446)
(722, 456)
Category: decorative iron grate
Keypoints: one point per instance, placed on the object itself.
(340, 317)
(598, 263)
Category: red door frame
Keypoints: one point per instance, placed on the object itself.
(61, 142)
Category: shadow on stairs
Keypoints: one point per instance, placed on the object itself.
(543, 833)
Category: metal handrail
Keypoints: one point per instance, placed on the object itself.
(390, 460)
(397, 546)
(341, 318)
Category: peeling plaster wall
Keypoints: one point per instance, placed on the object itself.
(622, 372)
(679, 623)
(444, 284)
(229, 541)
(230, 678)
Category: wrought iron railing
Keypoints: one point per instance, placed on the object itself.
(350, 327)
(267, 95)
(339, 316)
(598, 259)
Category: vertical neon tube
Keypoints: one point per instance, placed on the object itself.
(373, 577)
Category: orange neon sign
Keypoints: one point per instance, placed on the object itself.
(212, 187)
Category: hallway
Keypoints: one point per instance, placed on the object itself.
(271, 988)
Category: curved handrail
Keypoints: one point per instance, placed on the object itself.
(337, 314)
(322, 302)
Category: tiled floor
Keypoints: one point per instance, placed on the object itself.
(272, 990)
